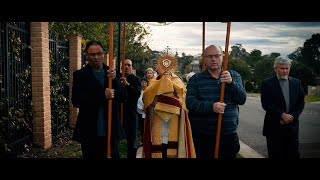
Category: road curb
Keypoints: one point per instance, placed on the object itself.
(248, 152)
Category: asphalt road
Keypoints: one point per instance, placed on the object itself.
(251, 122)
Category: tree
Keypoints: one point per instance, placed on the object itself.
(238, 51)
(296, 55)
(248, 86)
(145, 62)
(254, 56)
(263, 69)
(274, 55)
(184, 62)
(137, 48)
(88, 30)
(302, 72)
(241, 67)
(311, 53)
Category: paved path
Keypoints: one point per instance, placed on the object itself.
(245, 152)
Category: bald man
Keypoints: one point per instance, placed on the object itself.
(132, 84)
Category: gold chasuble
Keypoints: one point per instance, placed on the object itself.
(167, 121)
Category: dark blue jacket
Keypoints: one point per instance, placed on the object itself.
(203, 91)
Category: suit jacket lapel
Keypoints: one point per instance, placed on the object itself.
(278, 89)
(291, 91)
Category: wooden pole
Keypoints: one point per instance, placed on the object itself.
(122, 63)
(118, 65)
(110, 86)
(123, 47)
(203, 65)
(225, 63)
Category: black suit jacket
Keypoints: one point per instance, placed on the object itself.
(88, 95)
(130, 116)
(274, 104)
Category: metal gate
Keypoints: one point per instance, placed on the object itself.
(15, 84)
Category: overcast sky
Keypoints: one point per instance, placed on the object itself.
(281, 37)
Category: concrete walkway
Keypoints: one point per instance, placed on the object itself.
(248, 152)
(139, 152)
(245, 152)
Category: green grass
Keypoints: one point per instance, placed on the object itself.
(123, 149)
(253, 94)
(307, 98)
(312, 98)
(68, 149)
(71, 149)
(239, 156)
(123, 145)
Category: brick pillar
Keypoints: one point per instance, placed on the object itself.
(40, 70)
(74, 64)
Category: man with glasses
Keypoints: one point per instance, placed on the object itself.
(203, 96)
(90, 93)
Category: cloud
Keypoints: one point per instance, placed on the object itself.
(268, 37)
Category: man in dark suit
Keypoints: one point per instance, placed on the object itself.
(132, 83)
(90, 93)
(282, 98)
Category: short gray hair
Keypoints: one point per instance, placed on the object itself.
(281, 60)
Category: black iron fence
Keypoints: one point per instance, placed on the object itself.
(15, 87)
(59, 84)
(15, 84)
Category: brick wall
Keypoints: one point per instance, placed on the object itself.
(40, 70)
(74, 64)
(40, 74)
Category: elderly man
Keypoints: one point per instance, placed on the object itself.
(282, 98)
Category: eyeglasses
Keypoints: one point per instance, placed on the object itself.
(95, 54)
(211, 56)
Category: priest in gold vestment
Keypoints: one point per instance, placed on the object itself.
(167, 131)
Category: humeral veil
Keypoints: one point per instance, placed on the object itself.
(167, 119)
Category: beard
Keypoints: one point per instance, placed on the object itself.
(96, 64)
(283, 77)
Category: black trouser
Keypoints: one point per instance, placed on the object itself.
(205, 146)
(164, 150)
(130, 125)
(283, 146)
(96, 148)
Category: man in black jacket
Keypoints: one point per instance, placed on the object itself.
(90, 93)
(132, 83)
(282, 98)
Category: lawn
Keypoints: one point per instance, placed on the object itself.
(64, 147)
